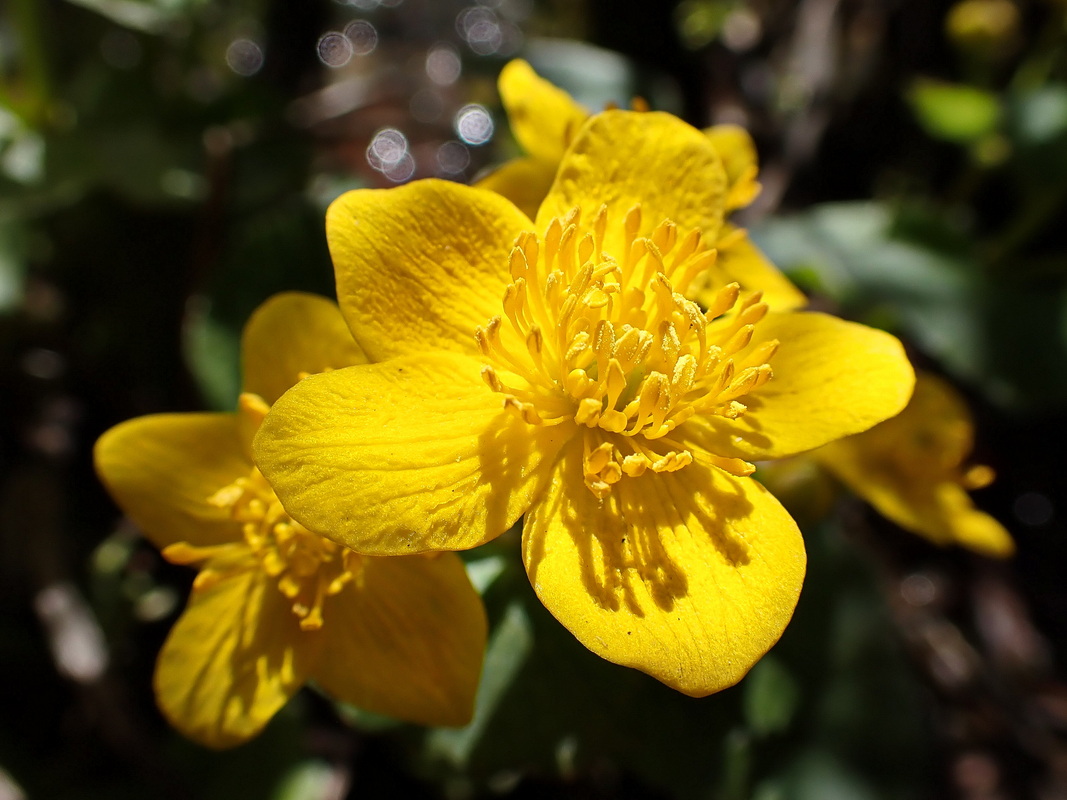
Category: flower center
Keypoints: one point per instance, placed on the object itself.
(307, 567)
(596, 329)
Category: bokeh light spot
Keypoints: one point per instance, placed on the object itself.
(244, 57)
(443, 65)
(335, 49)
(453, 157)
(474, 125)
(363, 36)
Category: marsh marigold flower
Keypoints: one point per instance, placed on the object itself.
(545, 119)
(911, 468)
(274, 604)
(554, 368)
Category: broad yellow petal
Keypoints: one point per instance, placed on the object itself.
(421, 266)
(625, 158)
(832, 378)
(740, 261)
(523, 181)
(543, 117)
(738, 153)
(233, 659)
(940, 511)
(690, 576)
(406, 639)
(911, 469)
(161, 470)
(404, 456)
(292, 334)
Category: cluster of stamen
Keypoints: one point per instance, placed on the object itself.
(307, 567)
(609, 340)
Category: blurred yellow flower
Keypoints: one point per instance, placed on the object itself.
(274, 604)
(545, 119)
(911, 469)
(555, 368)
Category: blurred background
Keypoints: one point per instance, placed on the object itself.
(165, 166)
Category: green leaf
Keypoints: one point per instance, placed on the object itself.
(213, 352)
(507, 651)
(12, 263)
(771, 697)
(953, 112)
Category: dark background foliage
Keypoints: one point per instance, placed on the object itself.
(165, 166)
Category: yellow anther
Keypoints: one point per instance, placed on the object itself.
(599, 457)
(978, 477)
(735, 466)
(588, 412)
(724, 300)
(607, 340)
(615, 382)
(578, 383)
(665, 235)
(740, 340)
(518, 266)
(490, 377)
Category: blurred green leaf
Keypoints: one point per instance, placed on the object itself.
(308, 780)
(508, 649)
(771, 697)
(1037, 125)
(864, 267)
(953, 112)
(1040, 116)
(12, 262)
(213, 353)
(147, 16)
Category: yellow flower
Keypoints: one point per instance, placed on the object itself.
(545, 120)
(554, 368)
(274, 604)
(910, 468)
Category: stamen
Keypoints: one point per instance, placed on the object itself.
(306, 567)
(608, 341)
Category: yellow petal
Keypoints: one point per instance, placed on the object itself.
(406, 639)
(161, 470)
(738, 153)
(421, 266)
(404, 456)
(832, 379)
(740, 261)
(910, 468)
(233, 659)
(543, 117)
(523, 181)
(292, 334)
(625, 158)
(690, 576)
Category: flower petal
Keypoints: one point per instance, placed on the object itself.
(625, 158)
(406, 640)
(910, 468)
(421, 266)
(543, 117)
(292, 334)
(523, 181)
(738, 154)
(741, 261)
(690, 576)
(408, 455)
(235, 656)
(832, 378)
(161, 470)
